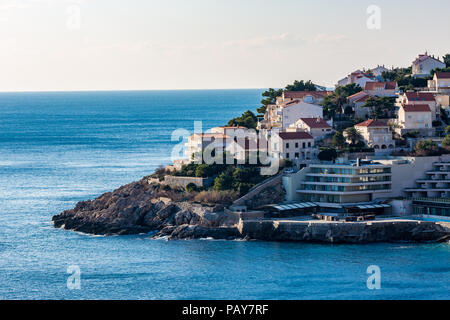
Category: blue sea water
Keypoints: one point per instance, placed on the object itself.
(59, 148)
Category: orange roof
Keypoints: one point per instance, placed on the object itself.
(372, 123)
(302, 94)
(384, 85)
(416, 108)
(419, 96)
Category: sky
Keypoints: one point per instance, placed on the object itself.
(58, 45)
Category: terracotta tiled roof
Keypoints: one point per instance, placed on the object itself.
(443, 75)
(384, 85)
(315, 122)
(416, 108)
(419, 96)
(372, 123)
(295, 135)
(362, 98)
(302, 94)
(357, 94)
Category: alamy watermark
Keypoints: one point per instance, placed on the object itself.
(374, 19)
(74, 280)
(374, 280)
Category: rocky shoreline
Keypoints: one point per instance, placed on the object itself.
(140, 207)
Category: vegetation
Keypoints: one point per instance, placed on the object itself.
(334, 104)
(270, 97)
(447, 60)
(338, 140)
(380, 107)
(248, 119)
(327, 155)
(353, 135)
(426, 148)
(446, 141)
(216, 197)
(404, 79)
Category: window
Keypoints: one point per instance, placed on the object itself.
(297, 155)
(287, 155)
(296, 144)
(287, 145)
(303, 145)
(309, 144)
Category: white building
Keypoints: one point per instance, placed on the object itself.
(415, 117)
(381, 89)
(298, 147)
(420, 98)
(358, 77)
(376, 134)
(422, 66)
(440, 82)
(316, 127)
(378, 71)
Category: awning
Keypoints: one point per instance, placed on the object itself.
(292, 206)
(374, 206)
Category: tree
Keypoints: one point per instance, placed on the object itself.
(223, 182)
(191, 187)
(446, 141)
(447, 129)
(247, 119)
(447, 60)
(338, 140)
(379, 106)
(301, 86)
(348, 90)
(353, 135)
(327, 155)
(426, 148)
(270, 98)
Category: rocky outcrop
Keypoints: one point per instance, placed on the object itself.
(345, 232)
(137, 208)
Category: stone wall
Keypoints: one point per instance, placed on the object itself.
(175, 181)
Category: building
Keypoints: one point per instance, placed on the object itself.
(317, 127)
(424, 64)
(357, 101)
(420, 98)
(377, 135)
(198, 142)
(233, 132)
(440, 82)
(378, 71)
(349, 182)
(372, 184)
(434, 184)
(298, 147)
(284, 115)
(415, 117)
(313, 97)
(381, 89)
(358, 77)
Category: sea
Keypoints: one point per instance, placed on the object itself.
(58, 148)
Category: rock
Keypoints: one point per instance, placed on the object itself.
(190, 232)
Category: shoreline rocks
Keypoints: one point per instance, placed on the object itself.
(139, 207)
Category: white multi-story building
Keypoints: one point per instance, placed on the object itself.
(298, 147)
(381, 89)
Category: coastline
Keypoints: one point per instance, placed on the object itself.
(140, 207)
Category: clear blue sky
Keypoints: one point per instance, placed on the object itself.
(196, 44)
